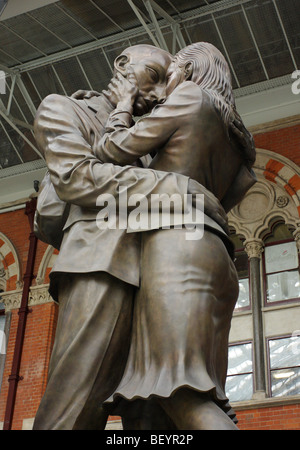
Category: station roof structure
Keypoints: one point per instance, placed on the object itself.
(61, 46)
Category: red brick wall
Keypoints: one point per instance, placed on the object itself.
(286, 417)
(38, 342)
(285, 141)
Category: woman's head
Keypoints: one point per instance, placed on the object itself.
(205, 65)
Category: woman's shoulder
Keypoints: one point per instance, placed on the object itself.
(192, 94)
(192, 91)
(188, 86)
(186, 92)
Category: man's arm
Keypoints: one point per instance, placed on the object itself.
(77, 174)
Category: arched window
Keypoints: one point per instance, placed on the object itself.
(280, 266)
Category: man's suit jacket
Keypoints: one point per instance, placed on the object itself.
(67, 131)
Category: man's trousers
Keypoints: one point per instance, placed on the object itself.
(90, 351)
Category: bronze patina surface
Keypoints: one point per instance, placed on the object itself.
(144, 317)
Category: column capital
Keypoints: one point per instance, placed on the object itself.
(254, 247)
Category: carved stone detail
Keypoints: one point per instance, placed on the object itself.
(38, 295)
(282, 201)
(11, 299)
(254, 248)
(268, 199)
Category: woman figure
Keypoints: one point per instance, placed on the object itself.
(188, 290)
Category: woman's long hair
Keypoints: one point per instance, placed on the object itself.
(211, 72)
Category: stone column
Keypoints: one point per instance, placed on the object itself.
(296, 235)
(254, 248)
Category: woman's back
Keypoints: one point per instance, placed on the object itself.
(199, 146)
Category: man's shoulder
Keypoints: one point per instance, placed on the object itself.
(57, 100)
(53, 99)
(54, 103)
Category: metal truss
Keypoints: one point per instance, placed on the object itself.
(12, 121)
(154, 21)
(150, 24)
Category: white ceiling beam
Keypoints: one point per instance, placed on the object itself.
(49, 31)
(14, 119)
(13, 125)
(144, 24)
(226, 51)
(11, 142)
(157, 28)
(107, 60)
(58, 79)
(3, 24)
(106, 15)
(74, 20)
(10, 56)
(211, 8)
(174, 24)
(34, 85)
(8, 71)
(84, 73)
(255, 43)
(26, 95)
(285, 34)
(13, 83)
(101, 43)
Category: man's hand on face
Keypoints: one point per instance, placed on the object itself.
(124, 91)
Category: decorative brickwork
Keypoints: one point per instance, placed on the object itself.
(10, 263)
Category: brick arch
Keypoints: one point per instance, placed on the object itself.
(46, 265)
(10, 262)
(282, 171)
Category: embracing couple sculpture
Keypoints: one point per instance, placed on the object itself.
(144, 317)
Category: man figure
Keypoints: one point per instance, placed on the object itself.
(97, 271)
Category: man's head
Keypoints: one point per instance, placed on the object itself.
(150, 65)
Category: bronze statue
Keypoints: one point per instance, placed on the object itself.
(96, 273)
(188, 289)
